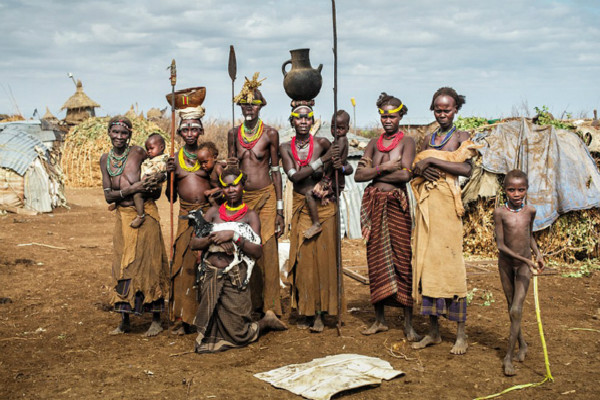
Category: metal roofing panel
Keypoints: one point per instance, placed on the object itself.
(17, 148)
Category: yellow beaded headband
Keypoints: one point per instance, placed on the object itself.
(235, 181)
(297, 115)
(395, 110)
(254, 102)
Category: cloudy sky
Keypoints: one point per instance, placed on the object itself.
(504, 56)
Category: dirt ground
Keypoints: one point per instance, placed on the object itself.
(54, 342)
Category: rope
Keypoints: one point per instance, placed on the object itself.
(548, 376)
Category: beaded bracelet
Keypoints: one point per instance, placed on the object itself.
(377, 170)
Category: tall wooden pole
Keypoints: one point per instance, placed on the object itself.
(173, 82)
(338, 239)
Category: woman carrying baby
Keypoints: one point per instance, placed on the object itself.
(439, 275)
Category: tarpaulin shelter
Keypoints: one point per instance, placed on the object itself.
(562, 174)
(30, 177)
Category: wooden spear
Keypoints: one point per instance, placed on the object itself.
(338, 240)
(173, 82)
(232, 72)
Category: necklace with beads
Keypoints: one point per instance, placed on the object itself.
(396, 138)
(183, 165)
(256, 133)
(311, 147)
(116, 164)
(191, 156)
(240, 211)
(513, 210)
(444, 140)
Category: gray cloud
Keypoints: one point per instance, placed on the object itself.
(497, 54)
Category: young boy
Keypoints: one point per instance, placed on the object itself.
(155, 163)
(514, 221)
(324, 189)
(207, 158)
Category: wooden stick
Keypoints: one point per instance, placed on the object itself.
(43, 245)
(232, 69)
(173, 82)
(338, 240)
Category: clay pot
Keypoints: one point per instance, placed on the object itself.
(190, 97)
(302, 81)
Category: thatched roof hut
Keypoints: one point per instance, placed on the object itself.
(79, 106)
(49, 116)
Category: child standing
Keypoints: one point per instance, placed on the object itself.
(324, 189)
(155, 163)
(514, 222)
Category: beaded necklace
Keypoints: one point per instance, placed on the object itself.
(249, 142)
(444, 141)
(182, 164)
(396, 138)
(116, 162)
(311, 147)
(241, 211)
(191, 156)
(515, 210)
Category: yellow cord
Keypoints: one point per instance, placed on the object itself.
(548, 376)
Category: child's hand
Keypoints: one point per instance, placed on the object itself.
(540, 263)
(532, 267)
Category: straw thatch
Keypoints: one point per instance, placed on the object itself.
(49, 116)
(79, 106)
(87, 141)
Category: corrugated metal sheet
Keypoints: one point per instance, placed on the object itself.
(17, 148)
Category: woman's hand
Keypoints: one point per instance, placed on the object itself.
(221, 237)
(390, 166)
(171, 165)
(333, 152)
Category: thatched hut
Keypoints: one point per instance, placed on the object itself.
(49, 116)
(79, 106)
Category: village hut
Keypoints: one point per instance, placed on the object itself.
(49, 116)
(79, 106)
(31, 180)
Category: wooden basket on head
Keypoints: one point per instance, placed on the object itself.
(190, 97)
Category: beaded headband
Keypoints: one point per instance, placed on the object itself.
(190, 125)
(235, 181)
(395, 110)
(121, 123)
(254, 102)
(297, 115)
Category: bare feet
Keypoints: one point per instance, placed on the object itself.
(509, 369)
(460, 346)
(375, 328)
(522, 353)
(426, 341)
(270, 321)
(412, 335)
(119, 330)
(179, 332)
(155, 329)
(314, 230)
(304, 323)
(138, 221)
(317, 326)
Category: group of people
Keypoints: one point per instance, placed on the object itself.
(227, 272)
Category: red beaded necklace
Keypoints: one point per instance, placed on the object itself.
(249, 142)
(235, 217)
(311, 147)
(395, 140)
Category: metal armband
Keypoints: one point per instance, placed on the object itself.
(315, 165)
(291, 173)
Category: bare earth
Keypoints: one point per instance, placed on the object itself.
(54, 340)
